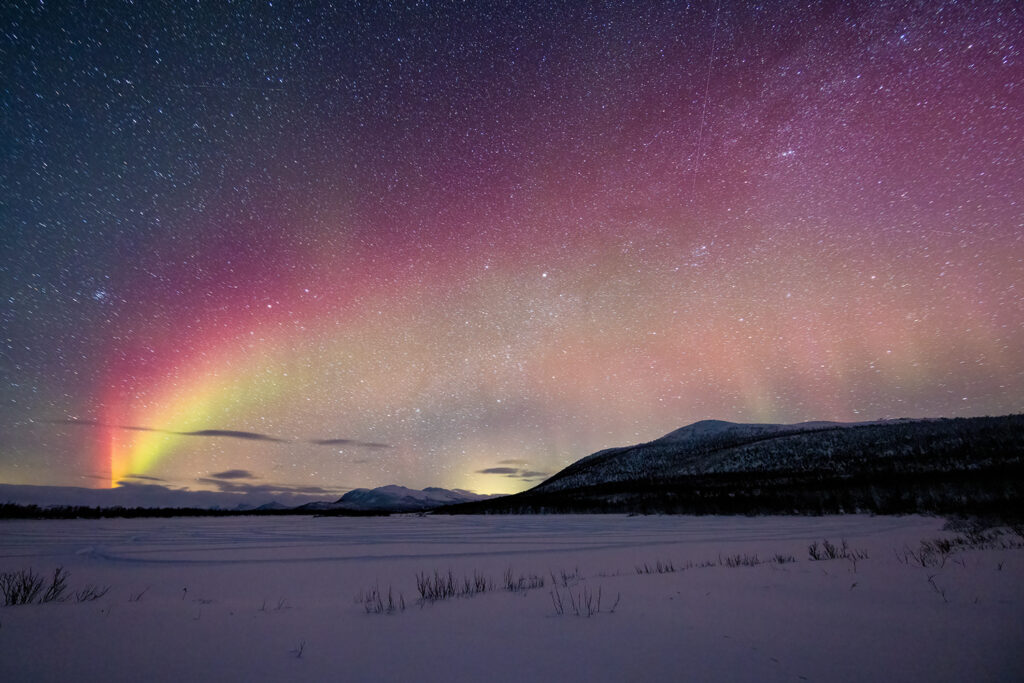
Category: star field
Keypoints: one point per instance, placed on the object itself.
(494, 238)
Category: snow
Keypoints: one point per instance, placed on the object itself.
(243, 598)
(394, 497)
(818, 449)
(692, 435)
(715, 429)
(706, 429)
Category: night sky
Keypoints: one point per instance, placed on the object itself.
(446, 239)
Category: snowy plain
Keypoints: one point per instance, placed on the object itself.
(284, 599)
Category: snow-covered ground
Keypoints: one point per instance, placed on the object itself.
(277, 599)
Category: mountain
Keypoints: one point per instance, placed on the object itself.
(131, 495)
(138, 498)
(394, 498)
(708, 446)
(714, 467)
(271, 506)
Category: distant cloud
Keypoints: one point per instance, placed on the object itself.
(128, 427)
(348, 442)
(234, 474)
(264, 489)
(515, 472)
(142, 476)
(232, 434)
(226, 433)
(513, 461)
(229, 433)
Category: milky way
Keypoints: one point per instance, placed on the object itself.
(430, 244)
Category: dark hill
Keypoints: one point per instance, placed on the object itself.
(946, 466)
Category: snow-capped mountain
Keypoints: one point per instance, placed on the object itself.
(697, 435)
(712, 466)
(393, 498)
(702, 447)
(132, 495)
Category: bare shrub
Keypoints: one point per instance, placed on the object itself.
(659, 567)
(374, 602)
(737, 560)
(566, 577)
(58, 584)
(137, 597)
(90, 593)
(829, 551)
(934, 552)
(478, 583)
(556, 600)
(516, 584)
(438, 587)
(20, 587)
(582, 603)
(925, 555)
(445, 586)
(937, 589)
(24, 587)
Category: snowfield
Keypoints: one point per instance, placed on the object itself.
(292, 599)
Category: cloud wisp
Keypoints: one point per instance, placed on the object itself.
(520, 473)
(225, 433)
(234, 474)
(348, 442)
(233, 434)
(229, 486)
(236, 481)
(141, 477)
(499, 470)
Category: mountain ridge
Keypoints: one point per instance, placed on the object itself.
(713, 466)
(395, 498)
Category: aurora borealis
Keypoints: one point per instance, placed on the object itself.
(495, 236)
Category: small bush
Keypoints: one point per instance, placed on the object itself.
(743, 560)
(58, 584)
(478, 583)
(21, 587)
(515, 584)
(25, 587)
(566, 577)
(444, 586)
(584, 603)
(90, 593)
(438, 587)
(659, 567)
(373, 601)
(829, 551)
(934, 552)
